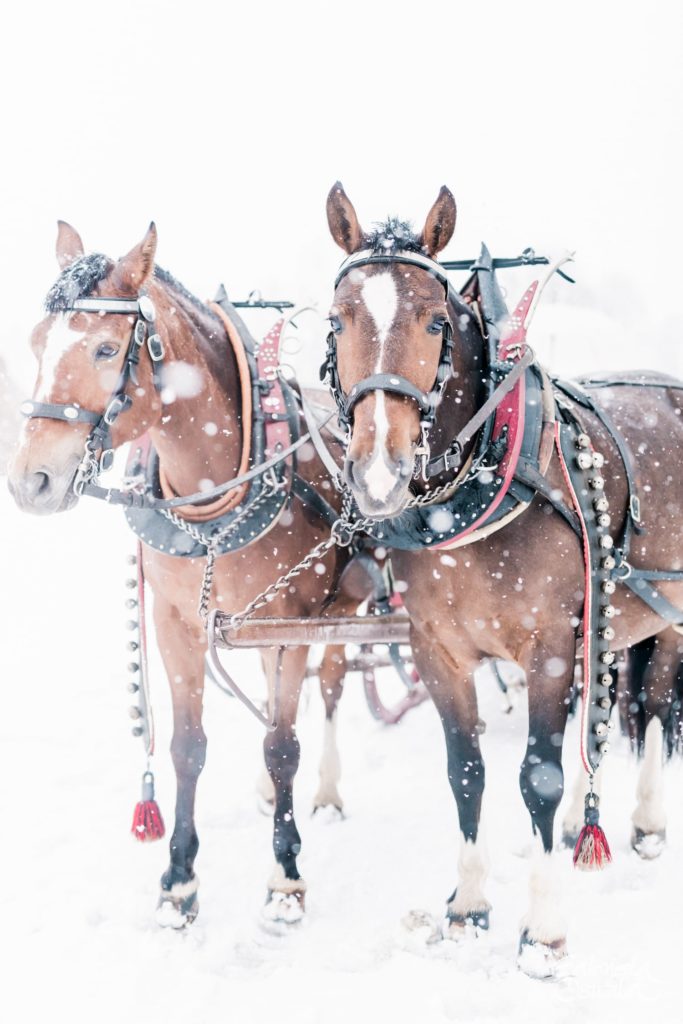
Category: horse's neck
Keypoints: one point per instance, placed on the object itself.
(198, 435)
(464, 391)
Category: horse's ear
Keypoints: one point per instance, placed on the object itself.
(440, 223)
(69, 244)
(131, 271)
(343, 221)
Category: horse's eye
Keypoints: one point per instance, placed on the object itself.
(335, 324)
(106, 352)
(437, 325)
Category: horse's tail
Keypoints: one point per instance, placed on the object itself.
(633, 699)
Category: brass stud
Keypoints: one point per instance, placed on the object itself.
(605, 703)
(131, 624)
(133, 666)
(131, 645)
(606, 680)
(131, 602)
(132, 559)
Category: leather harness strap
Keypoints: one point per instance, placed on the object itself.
(227, 501)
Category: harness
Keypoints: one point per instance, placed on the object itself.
(253, 500)
(514, 442)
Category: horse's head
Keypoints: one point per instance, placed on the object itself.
(81, 357)
(389, 320)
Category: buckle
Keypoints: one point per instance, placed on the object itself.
(146, 307)
(634, 508)
(118, 404)
(139, 332)
(156, 348)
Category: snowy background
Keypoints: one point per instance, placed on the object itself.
(556, 126)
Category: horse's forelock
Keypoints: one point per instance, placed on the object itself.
(394, 235)
(77, 281)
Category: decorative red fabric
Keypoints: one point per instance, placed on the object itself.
(148, 824)
(592, 852)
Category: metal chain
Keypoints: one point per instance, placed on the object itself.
(212, 544)
(342, 533)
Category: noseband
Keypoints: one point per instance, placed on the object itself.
(427, 401)
(99, 438)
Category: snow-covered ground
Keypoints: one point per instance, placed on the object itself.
(79, 892)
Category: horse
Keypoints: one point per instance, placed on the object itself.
(408, 365)
(194, 416)
(649, 696)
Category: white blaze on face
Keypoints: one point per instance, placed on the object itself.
(60, 340)
(381, 300)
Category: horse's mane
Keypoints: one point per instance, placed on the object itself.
(78, 280)
(392, 236)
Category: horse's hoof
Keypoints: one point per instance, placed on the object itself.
(174, 911)
(283, 909)
(540, 960)
(461, 926)
(569, 839)
(423, 927)
(328, 814)
(648, 845)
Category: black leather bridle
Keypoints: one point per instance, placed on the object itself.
(427, 401)
(98, 455)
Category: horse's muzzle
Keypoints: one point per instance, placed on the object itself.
(381, 490)
(41, 492)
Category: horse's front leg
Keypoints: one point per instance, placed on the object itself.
(286, 888)
(549, 674)
(182, 649)
(449, 678)
(331, 675)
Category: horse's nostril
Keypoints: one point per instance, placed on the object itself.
(37, 485)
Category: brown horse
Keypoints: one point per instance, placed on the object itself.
(518, 593)
(196, 427)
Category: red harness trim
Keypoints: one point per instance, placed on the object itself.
(511, 412)
(273, 402)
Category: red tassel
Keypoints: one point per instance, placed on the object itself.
(592, 852)
(148, 824)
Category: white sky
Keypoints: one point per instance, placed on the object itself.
(555, 124)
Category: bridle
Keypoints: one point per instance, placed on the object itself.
(509, 371)
(427, 401)
(99, 438)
